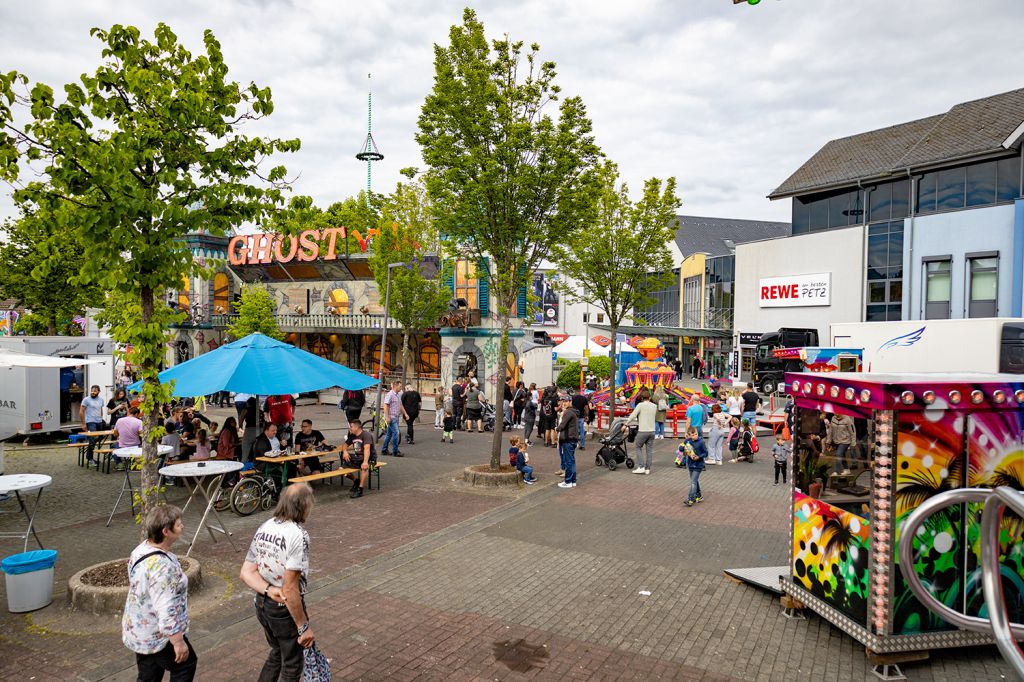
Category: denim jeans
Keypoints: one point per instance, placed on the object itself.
(751, 418)
(841, 462)
(153, 666)
(391, 434)
(583, 434)
(92, 426)
(284, 662)
(694, 484)
(659, 428)
(644, 444)
(568, 456)
(527, 472)
(716, 439)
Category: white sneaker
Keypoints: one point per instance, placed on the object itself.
(647, 472)
(572, 485)
(639, 470)
(563, 484)
(719, 462)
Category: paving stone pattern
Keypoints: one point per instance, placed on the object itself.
(427, 580)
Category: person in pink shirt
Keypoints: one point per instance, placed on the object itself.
(128, 429)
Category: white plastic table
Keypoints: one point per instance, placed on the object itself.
(24, 483)
(131, 452)
(214, 469)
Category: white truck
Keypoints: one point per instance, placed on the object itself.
(43, 399)
(991, 344)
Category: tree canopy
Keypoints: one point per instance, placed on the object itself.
(255, 310)
(507, 179)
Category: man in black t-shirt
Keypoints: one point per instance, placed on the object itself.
(411, 403)
(751, 401)
(458, 401)
(308, 440)
(581, 404)
(358, 453)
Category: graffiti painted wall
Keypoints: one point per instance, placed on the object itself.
(830, 554)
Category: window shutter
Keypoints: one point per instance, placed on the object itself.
(449, 281)
(483, 288)
(521, 304)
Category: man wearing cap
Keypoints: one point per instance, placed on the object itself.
(568, 438)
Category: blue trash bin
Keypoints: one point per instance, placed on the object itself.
(29, 578)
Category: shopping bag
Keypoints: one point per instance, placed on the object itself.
(316, 667)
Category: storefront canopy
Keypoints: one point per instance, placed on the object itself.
(259, 365)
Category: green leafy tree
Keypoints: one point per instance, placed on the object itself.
(52, 293)
(406, 235)
(506, 179)
(149, 148)
(255, 310)
(355, 214)
(569, 377)
(623, 255)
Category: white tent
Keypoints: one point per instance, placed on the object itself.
(572, 348)
(13, 358)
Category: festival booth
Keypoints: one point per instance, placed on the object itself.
(915, 436)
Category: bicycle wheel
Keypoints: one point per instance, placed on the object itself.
(246, 496)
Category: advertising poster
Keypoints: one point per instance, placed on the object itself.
(547, 300)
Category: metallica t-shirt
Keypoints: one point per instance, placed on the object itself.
(280, 546)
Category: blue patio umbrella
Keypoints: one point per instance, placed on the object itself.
(259, 365)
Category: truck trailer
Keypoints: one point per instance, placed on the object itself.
(990, 344)
(36, 400)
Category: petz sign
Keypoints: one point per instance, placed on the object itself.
(795, 290)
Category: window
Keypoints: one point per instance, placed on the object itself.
(949, 193)
(978, 184)
(337, 302)
(884, 271)
(466, 282)
(981, 184)
(600, 318)
(926, 192)
(183, 302)
(221, 293)
(937, 288)
(586, 318)
(430, 361)
(1008, 179)
(984, 284)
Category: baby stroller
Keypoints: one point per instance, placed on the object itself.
(613, 447)
(489, 414)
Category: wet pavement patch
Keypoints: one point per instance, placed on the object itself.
(520, 656)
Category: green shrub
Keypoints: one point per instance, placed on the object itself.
(569, 377)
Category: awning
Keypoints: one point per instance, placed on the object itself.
(630, 330)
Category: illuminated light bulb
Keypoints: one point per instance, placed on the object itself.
(849, 394)
(807, 387)
(796, 386)
(820, 390)
(884, 417)
(1019, 395)
(865, 395)
(977, 397)
(884, 494)
(954, 397)
(834, 392)
(883, 462)
(928, 397)
(907, 397)
(998, 397)
(883, 505)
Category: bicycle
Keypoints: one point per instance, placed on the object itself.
(381, 424)
(252, 492)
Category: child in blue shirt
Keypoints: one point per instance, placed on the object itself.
(696, 453)
(519, 458)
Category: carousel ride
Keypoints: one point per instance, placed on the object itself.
(648, 373)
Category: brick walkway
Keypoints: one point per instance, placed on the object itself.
(428, 580)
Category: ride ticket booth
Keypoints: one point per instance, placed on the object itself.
(867, 451)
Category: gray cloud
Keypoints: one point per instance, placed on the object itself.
(729, 99)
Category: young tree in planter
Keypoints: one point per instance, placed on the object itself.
(406, 235)
(623, 255)
(149, 148)
(507, 180)
(255, 314)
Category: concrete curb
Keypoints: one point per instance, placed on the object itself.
(106, 600)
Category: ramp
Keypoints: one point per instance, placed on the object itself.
(762, 577)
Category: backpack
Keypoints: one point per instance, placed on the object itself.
(754, 447)
(512, 458)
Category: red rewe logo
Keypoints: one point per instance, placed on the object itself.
(776, 291)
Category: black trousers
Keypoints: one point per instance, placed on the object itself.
(409, 426)
(284, 662)
(153, 666)
(780, 467)
(457, 409)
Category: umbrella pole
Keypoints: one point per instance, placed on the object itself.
(383, 348)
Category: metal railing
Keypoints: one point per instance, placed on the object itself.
(995, 503)
(318, 321)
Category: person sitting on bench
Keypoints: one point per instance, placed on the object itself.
(308, 440)
(358, 453)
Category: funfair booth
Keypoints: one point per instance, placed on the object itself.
(913, 436)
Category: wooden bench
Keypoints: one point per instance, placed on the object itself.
(323, 475)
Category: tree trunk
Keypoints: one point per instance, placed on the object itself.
(149, 493)
(405, 355)
(611, 377)
(499, 415)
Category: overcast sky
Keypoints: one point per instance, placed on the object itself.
(729, 99)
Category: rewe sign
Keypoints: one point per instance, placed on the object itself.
(795, 290)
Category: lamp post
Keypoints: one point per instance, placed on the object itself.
(384, 341)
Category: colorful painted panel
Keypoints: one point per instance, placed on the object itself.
(995, 457)
(830, 554)
(929, 460)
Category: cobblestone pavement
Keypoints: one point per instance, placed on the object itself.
(430, 580)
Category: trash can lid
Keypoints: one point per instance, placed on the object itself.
(27, 562)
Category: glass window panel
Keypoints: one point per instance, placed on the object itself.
(801, 215)
(880, 228)
(938, 281)
(857, 213)
(896, 226)
(984, 279)
(1008, 176)
(895, 249)
(895, 312)
(981, 184)
(839, 210)
(878, 251)
(878, 273)
(950, 193)
(926, 192)
(900, 196)
(818, 215)
(896, 290)
(876, 292)
(896, 273)
(876, 313)
(881, 202)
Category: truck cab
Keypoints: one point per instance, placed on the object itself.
(769, 371)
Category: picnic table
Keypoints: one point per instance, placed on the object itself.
(98, 441)
(131, 452)
(268, 462)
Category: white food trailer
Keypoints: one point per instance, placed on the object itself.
(32, 399)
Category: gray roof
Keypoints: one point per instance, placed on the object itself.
(968, 130)
(697, 234)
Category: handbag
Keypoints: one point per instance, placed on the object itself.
(662, 405)
(315, 666)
